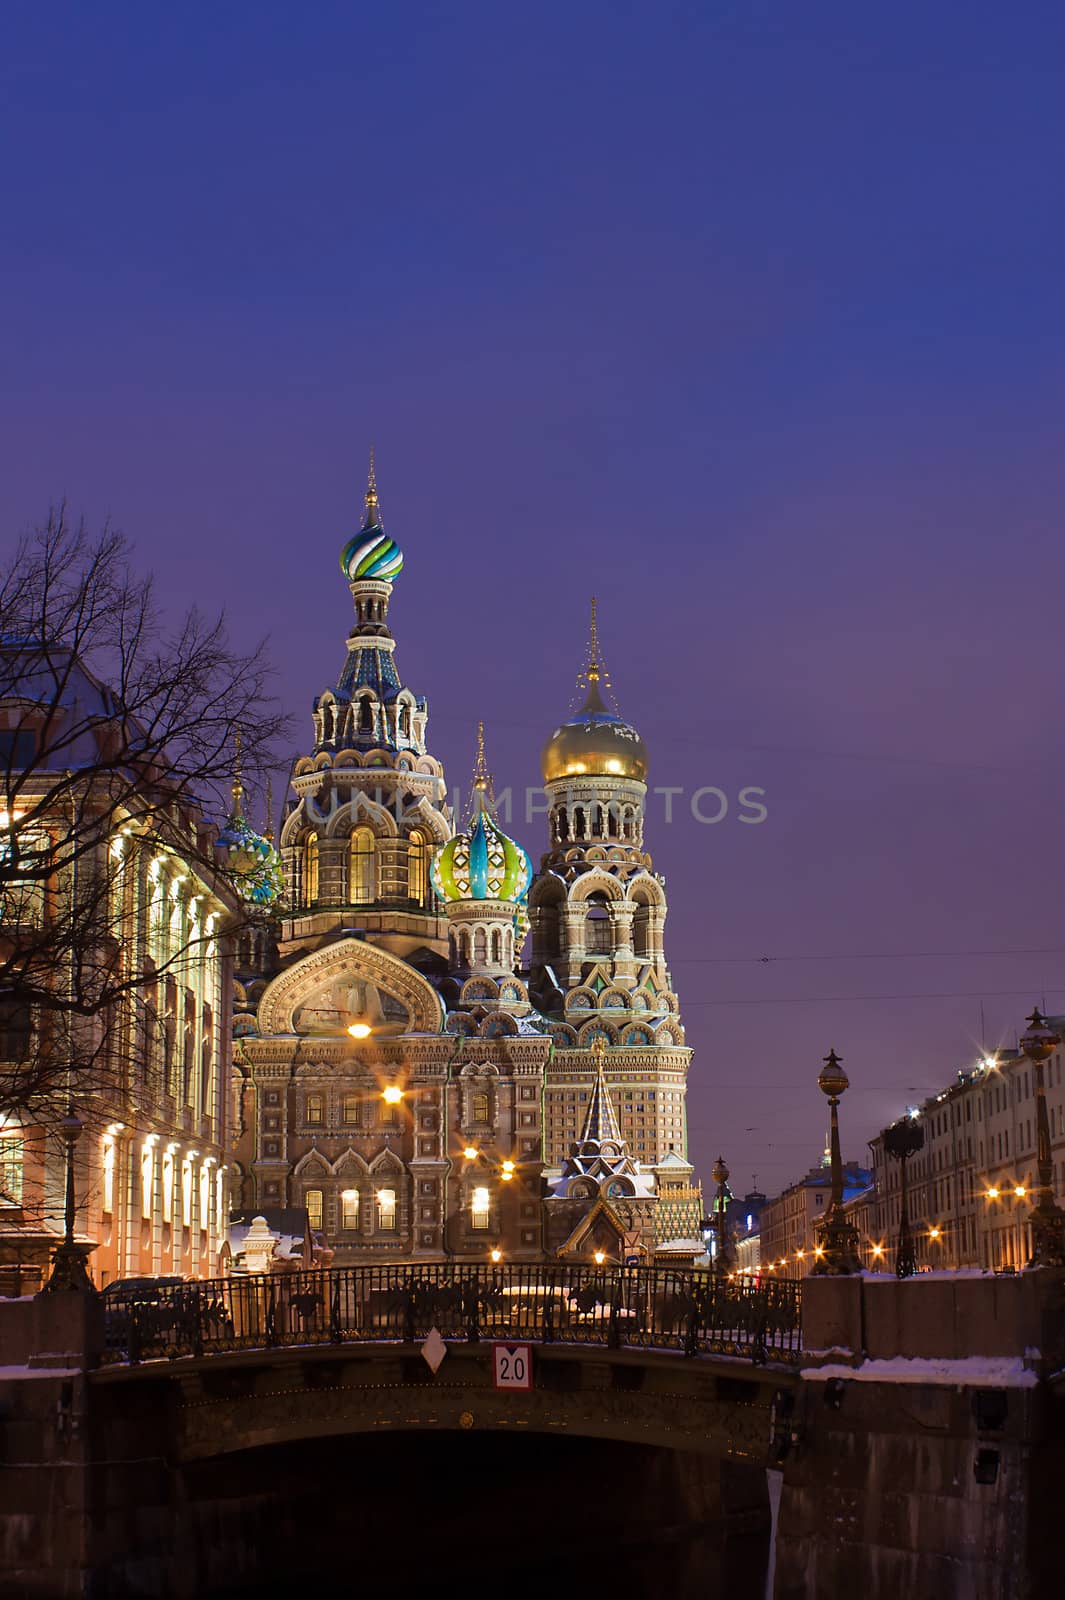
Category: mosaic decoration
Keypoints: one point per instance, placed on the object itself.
(483, 864)
(254, 864)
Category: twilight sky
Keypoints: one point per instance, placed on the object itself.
(745, 317)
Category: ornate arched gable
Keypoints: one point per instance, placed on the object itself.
(350, 978)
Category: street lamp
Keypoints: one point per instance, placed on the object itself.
(719, 1173)
(1046, 1219)
(903, 1140)
(838, 1253)
(68, 1264)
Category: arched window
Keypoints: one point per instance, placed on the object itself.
(386, 1210)
(12, 1156)
(481, 1107)
(404, 722)
(365, 716)
(310, 869)
(597, 926)
(480, 1208)
(497, 946)
(641, 933)
(597, 822)
(417, 867)
(362, 867)
(480, 948)
(578, 823)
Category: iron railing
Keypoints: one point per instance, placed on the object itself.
(691, 1311)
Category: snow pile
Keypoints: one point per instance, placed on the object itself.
(972, 1372)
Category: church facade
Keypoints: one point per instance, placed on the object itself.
(398, 1072)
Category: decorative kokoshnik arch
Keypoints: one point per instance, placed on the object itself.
(345, 966)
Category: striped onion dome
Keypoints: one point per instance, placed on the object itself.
(371, 553)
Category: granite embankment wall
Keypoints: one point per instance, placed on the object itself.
(927, 1441)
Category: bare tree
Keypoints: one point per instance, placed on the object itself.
(117, 735)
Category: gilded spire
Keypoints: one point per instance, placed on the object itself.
(482, 794)
(594, 671)
(372, 511)
(237, 788)
(269, 828)
(601, 1121)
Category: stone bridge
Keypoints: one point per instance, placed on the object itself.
(919, 1426)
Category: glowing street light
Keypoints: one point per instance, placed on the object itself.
(392, 1094)
(933, 1233)
(470, 1153)
(992, 1193)
(507, 1172)
(359, 1030)
(497, 1255)
(599, 1258)
(1019, 1190)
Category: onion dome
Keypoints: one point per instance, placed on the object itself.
(595, 742)
(254, 864)
(371, 553)
(482, 863)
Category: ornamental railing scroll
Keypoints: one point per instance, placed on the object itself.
(691, 1312)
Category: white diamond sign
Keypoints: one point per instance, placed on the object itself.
(434, 1350)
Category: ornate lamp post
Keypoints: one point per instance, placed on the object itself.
(1047, 1220)
(838, 1238)
(68, 1263)
(903, 1140)
(724, 1254)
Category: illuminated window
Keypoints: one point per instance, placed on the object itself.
(349, 1209)
(480, 1209)
(109, 1176)
(351, 1110)
(186, 1193)
(362, 873)
(147, 1179)
(386, 1209)
(205, 1197)
(315, 1109)
(417, 867)
(310, 869)
(168, 1187)
(314, 1200)
(481, 1108)
(12, 1159)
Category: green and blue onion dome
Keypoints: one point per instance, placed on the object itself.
(483, 862)
(371, 553)
(254, 864)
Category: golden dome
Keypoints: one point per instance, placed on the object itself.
(595, 743)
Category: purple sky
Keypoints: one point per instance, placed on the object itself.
(747, 318)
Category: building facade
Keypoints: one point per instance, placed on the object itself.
(146, 1076)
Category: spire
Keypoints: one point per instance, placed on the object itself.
(594, 671)
(237, 788)
(601, 1122)
(373, 513)
(268, 828)
(482, 789)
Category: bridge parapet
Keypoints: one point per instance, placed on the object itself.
(689, 1311)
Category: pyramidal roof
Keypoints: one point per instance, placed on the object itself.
(602, 1120)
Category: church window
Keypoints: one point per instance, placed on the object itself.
(417, 867)
(314, 1200)
(386, 1210)
(481, 1107)
(597, 823)
(310, 869)
(362, 874)
(641, 932)
(562, 824)
(597, 927)
(351, 1110)
(578, 823)
(480, 948)
(365, 716)
(315, 1110)
(480, 1209)
(349, 1209)
(497, 946)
